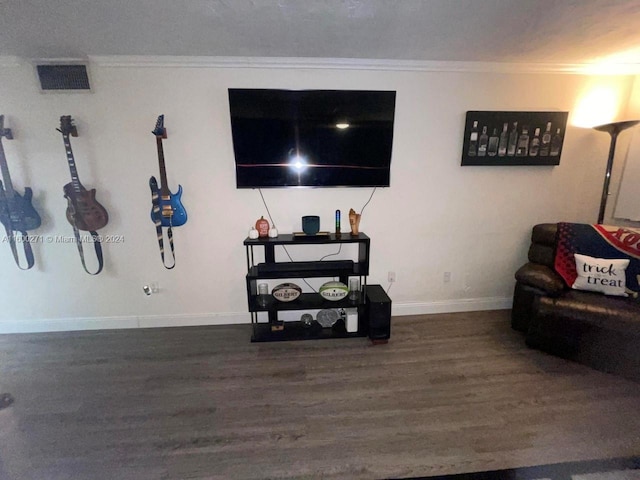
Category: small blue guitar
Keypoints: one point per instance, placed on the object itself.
(167, 210)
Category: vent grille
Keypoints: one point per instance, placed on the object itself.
(63, 77)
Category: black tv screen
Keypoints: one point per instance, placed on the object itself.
(312, 138)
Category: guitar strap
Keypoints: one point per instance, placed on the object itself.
(28, 252)
(96, 245)
(94, 236)
(155, 201)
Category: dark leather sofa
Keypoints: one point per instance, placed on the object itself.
(591, 328)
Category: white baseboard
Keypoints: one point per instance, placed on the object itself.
(187, 320)
(451, 306)
(110, 323)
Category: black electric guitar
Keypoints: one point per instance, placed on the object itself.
(171, 212)
(83, 210)
(19, 214)
(16, 212)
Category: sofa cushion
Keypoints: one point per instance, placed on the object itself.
(544, 234)
(541, 277)
(542, 254)
(609, 313)
(590, 328)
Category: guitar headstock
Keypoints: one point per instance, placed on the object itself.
(67, 127)
(5, 132)
(160, 131)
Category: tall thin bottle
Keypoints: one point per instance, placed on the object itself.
(504, 139)
(513, 140)
(492, 150)
(535, 143)
(473, 140)
(556, 144)
(545, 143)
(523, 143)
(482, 143)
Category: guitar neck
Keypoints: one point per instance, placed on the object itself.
(6, 178)
(75, 180)
(164, 187)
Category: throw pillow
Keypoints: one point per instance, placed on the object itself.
(601, 275)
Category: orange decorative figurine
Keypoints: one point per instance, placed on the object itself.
(262, 226)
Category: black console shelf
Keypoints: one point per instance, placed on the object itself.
(275, 330)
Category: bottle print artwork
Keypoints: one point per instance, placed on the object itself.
(513, 137)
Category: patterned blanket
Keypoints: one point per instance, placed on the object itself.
(600, 241)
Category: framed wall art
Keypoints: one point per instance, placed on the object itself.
(513, 138)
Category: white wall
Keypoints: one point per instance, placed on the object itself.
(627, 160)
(437, 216)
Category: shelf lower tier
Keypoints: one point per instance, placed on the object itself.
(306, 301)
(298, 331)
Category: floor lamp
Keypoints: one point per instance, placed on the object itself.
(612, 129)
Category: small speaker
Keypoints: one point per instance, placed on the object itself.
(379, 314)
(63, 77)
(311, 224)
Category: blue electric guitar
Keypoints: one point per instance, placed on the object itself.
(167, 208)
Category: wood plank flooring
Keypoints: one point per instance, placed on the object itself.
(450, 393)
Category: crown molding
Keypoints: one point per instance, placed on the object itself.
(114, 61)
(155, 61)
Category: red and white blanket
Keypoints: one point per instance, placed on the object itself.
(600, 241)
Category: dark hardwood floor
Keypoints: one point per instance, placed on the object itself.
(450, 393)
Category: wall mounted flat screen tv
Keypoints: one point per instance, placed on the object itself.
(312, 138)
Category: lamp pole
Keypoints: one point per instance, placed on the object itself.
(612, 129)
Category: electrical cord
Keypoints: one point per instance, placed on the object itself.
(283, 247)
(330, 254)
(365, 205)
(265, 206)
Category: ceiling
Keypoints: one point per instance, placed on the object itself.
(511, 31)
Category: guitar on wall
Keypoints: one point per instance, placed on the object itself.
(83, 210)
(167, 209)
(16, 212)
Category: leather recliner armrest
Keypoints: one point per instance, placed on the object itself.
(541, 277)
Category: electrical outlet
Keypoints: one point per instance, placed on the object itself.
(392, 277)
(447, 277)
(150, 288)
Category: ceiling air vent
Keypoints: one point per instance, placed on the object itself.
(63, 77)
